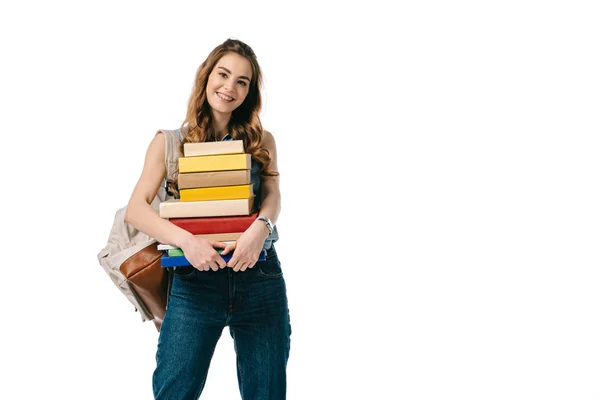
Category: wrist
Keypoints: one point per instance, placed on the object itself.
(267, 222)
(184, 239)
(262, 228)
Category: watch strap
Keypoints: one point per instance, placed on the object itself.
(267, 222)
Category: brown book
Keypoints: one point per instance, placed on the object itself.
(212, 179)
(209, 208)
(213, 148)
(221, 237)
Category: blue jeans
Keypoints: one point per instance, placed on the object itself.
(252, 303)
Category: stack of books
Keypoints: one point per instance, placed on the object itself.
(216, 195)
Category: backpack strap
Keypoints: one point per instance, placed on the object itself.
(173, 139)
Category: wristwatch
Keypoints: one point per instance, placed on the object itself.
(267, 222)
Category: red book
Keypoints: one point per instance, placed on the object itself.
(208, 225)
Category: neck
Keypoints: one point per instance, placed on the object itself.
(220, 122)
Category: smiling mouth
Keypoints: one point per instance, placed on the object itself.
(224, 97)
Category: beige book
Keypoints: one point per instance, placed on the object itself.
(221, 237)
(209, 208)
(213, 148)
(212, 179)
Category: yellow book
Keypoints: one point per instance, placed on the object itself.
(217, 193)
(225, 162)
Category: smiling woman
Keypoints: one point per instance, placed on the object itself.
(245, 294)
(226, 99)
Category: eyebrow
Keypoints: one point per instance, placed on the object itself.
(241, 77)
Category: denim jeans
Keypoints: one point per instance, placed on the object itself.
(252, 303)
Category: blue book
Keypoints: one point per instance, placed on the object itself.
(181, 261)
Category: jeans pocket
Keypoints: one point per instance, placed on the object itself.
(271, 268)
(186, 272)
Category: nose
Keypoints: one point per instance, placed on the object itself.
(228, 85)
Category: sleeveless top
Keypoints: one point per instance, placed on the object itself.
(255, 178)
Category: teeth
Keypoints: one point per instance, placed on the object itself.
(224, 97)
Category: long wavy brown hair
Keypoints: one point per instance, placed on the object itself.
(244, 123)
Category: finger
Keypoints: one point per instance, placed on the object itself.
(244, 266)
(220, 262)
(228, 248)
(197, 266)
(218, 245)
(235, 264)
(233, 260)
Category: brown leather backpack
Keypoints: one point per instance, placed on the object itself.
(131, 257)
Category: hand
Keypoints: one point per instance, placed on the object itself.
(202, 255)
(247, 247)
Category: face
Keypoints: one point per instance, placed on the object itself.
(228, 83)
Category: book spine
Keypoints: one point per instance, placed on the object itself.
(214, 163)
(163, 246)
(210, 208)
(221, 237)
(181, 261)
(217, 193)
(213, 148)
(179, 252)
(215, 224)
(212, 179)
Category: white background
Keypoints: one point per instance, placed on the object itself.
(439, 169)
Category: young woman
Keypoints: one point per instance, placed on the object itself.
(247, 295)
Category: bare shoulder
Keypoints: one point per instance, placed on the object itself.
(268, 140)
(269, 145)
(156, 149)
(158, 140)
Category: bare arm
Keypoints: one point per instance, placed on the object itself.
(271, 196)
(141, 215)
(139, 212)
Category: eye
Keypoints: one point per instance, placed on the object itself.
(242, 83)
(223, 74)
